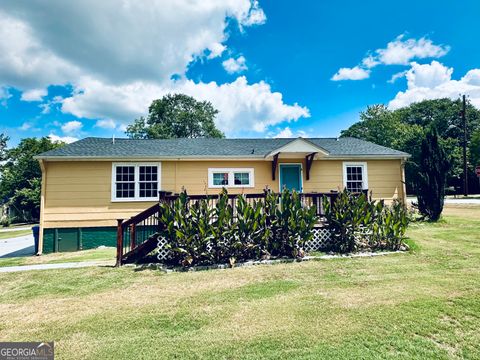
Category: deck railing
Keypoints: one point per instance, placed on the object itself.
(307, 199)
(140, 228)
(136, 230)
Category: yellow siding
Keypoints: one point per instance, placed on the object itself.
(193, 176)
(77, 193)
(324, 176)
(385, 179)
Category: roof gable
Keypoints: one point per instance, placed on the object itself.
(299, 145)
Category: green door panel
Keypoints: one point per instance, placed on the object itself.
(291, 177)
(67, 239)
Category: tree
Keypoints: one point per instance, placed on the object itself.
(475, 148)
(176, 116)
(20, 181)
(383, 127)
(433, 168)
(3, 145)
(403, 129)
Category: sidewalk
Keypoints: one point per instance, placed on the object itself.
(70, 265)
(16, 228)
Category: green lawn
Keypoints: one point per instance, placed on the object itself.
(424, 304)
(102, 254)
(13, 234)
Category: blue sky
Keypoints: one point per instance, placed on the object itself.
(272, 68)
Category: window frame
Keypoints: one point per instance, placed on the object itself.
(364, 167)
(137, 166)
(231, 177)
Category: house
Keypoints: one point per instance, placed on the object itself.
(89, 184)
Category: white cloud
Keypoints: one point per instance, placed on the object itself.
(370, 61)
(25, 126)
(397, 76)
(106, 124)
(284, 133)
(48, 105)
(34, 95)
(24, 62)
(71, 127)
(428, 75)
(398, 52)
(472, 77)
(401, 52)
(355, 73)
(170, 34)
(433, 81)
(288, 133)
(256, 16)
(216, 50)
(4, 96)
(131, 62)
(242, 106)
(237, 65)
(66, 139)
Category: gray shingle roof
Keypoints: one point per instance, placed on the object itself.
(93, 147)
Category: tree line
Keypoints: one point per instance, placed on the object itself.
(405, 129)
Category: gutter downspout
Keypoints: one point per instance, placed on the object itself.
(42, 204)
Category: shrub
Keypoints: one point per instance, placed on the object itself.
(356, 223)
(5, 221)
(200, 234)
(432, 176)
(276, 226)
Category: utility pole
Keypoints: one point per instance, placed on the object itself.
(465, 169)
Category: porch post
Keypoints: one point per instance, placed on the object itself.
(119, 242)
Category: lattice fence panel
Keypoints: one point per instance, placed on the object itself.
(162, 248)
(321, 240)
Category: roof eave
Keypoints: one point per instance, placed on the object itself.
(140, 157)
(209, 157)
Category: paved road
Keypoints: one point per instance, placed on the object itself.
(17, 246)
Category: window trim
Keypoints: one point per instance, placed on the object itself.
(231, 177)
(137, 165)
(363, 164)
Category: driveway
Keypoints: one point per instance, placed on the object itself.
(17, 246)
(453, 201)
(460, 201)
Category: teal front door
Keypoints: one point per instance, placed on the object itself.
(291, 177)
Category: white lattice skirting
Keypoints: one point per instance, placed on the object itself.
(320, 241)
(162, 248)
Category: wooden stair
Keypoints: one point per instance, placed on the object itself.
(140, 251)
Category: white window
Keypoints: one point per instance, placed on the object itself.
(135, 182)
(355, 178)
(226, 177)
